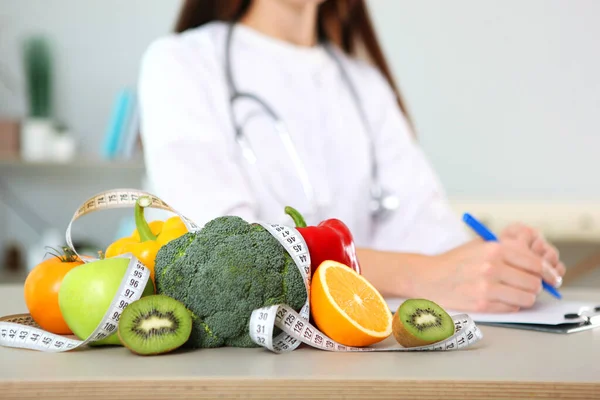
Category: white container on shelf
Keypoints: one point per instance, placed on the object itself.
(36, 139)
(63, 147)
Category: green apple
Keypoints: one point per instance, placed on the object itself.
(86, 293)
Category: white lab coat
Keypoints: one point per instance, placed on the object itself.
(194, 164)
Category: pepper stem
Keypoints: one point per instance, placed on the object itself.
(296, 216)
(140, 222)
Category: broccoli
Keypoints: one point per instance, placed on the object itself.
(222, 273)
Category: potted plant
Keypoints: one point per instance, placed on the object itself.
(38, 127)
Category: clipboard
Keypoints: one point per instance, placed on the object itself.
(546, 315)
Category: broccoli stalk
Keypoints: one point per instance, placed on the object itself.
(224, 272)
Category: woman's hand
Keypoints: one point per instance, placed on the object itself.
(479, 276)
(482, 276)
(530, 238)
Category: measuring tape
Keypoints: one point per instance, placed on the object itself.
(120, 198)
(28, 337)
(295, 326)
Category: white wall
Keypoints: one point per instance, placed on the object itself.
(505, 93)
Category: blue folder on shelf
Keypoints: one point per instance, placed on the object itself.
(119, 121)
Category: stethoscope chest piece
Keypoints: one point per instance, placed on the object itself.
(383, 203)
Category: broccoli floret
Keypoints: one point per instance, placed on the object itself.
(222, 273)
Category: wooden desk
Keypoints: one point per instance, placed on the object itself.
(505, 364)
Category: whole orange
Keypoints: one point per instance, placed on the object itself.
(41, 290)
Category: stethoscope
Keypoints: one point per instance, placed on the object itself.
(382, 202)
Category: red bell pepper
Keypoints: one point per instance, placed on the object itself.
(330, 240)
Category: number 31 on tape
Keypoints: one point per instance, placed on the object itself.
(296, 326)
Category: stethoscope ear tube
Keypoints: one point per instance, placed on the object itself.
(383, 202)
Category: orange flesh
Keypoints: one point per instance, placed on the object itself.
(347, 308)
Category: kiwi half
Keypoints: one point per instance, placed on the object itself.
(420, 322)
(154, 324)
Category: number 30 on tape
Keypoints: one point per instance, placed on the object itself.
(295, 326)
(297, 329)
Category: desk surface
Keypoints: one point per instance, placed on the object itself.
(505, 364)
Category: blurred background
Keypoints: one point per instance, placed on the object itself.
(505, 96)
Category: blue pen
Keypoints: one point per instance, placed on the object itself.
(485, 234)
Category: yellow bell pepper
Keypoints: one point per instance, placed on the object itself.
(147, 238)
(173, 228)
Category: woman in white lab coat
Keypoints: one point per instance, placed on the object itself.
(347, 123)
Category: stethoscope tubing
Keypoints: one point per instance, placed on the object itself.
(378, 196)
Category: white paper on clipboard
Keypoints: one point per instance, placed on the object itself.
(546, 311)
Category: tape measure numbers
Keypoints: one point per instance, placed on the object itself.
(295, 326)
(263, 321)
(120, 198)
(132, 286)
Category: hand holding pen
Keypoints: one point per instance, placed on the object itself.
(554, 269)
(547, 269)
(489, 276)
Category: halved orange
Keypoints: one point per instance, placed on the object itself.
(346, 307)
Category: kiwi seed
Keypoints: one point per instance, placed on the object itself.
(420, 322)
(154, 324)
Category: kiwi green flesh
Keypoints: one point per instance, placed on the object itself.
(425, 320)
(154, 325)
